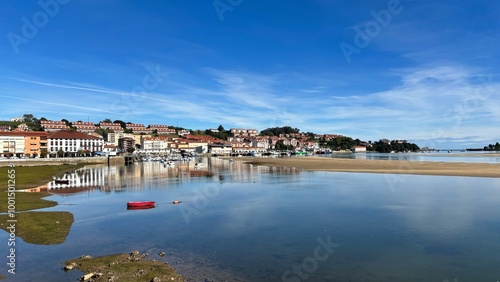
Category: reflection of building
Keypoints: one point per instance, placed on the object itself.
(70, 141)
(83, 179)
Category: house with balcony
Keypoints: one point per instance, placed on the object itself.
(138, 128)
(11, 144)
(115, 127)
(84, 126)
(52, 125)
(158, 144)
(162, 129)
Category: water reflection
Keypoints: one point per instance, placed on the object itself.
(155, 175)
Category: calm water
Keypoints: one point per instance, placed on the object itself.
(245, 223)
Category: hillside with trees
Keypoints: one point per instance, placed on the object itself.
(276, 131)
(387, 147)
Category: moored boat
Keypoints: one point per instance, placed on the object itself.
(144, 204)
(61, 181)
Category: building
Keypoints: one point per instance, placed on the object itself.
(114, 137)
(125, 144)
(11, 144)
(260, 142)
(220, 149)
(162, 129)
(4, 128)
(183, 132)
(84, 126)
(358, 149)
(110, 149)
(72, 142)
(158, 144)
(197, 146)
(244, 132)
(22, 127)
(116, 127)
(52, 125)
(33, 143)
(138, 128)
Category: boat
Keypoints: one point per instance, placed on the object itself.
(61, 181)
(140, 208)
(145, 204)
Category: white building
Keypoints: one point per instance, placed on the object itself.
(154, 145)
(72, 142)
(11, 145)
(358, 149)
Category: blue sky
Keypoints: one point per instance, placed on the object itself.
(426, 71)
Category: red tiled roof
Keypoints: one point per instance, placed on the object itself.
(71, 135)
(24, 133)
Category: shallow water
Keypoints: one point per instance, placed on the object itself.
(239, 222)
(465, 157)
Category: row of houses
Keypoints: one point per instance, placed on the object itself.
(88, 127)
(36, 143)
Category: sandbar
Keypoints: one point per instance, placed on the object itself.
(381, 166)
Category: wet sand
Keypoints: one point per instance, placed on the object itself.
(381, 166)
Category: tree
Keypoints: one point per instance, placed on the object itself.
(122, 123)
(29, 118)
(60, 153)
(107, 120)
(43, 153)
(276, 131)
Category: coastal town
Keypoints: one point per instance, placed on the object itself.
(29, 137)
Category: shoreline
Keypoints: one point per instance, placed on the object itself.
(380, 166)
(52, 161)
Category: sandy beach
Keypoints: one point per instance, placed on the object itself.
(381, 166)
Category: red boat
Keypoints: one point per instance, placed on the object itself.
(146, 204)
(140, 208)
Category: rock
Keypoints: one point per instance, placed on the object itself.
(162, 254)
(85, 257)
(112, 279)
(156, 279)
(70, 266)
(135, 253)
(87, 276)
